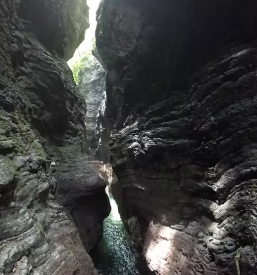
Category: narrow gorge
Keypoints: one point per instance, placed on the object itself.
(127, 137)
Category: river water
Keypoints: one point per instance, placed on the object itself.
(113, 256)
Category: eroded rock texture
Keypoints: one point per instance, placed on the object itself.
(181, 97)
(41, 129)
(92, 86)
(81, 191)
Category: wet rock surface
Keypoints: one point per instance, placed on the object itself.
(41, 128)
(181, 98)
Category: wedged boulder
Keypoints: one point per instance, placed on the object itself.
(81, 191)
(181, 98)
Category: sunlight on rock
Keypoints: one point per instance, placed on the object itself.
(106, 173)
(159, 247)
(87, 45)
(115, 215)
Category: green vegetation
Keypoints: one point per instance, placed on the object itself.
(88, 45)
(78, 64)
(71, 150)
(237, 257)
(76, 67)
(37, 149)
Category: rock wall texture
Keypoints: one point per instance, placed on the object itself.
(92, 86)
(81, 191)
(41, 132)
(181, 98)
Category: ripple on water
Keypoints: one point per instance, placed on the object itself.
(113, 256)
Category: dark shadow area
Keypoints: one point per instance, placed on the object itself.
(201, 214)
(182, 106)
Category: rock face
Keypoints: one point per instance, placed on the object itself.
(92, 85)
(82, 193)
(181, 98)
(41, 130)
(59, 25)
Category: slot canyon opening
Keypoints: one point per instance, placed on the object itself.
(115, 252)
(162, 92)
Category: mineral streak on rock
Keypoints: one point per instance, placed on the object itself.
(181, 99)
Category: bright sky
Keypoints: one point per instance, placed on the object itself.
(87, 44)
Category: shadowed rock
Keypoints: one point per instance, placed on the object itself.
(81, 191)
(41, 114)
(181, 98)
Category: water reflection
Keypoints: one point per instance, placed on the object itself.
(113, 255)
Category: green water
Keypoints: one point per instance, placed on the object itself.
(113, 256)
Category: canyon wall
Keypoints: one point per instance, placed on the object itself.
(91, 83)
(181, 99)
(43, 143)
